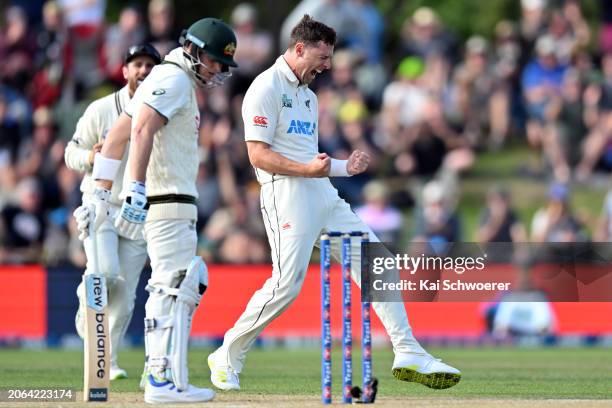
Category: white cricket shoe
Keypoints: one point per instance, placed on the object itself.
(117, 373)
(425, 369)
(222, 377)
(164, 391)
(79, 318)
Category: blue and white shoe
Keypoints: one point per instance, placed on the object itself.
(164, 391)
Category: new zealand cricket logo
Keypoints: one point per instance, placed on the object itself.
(287, 103)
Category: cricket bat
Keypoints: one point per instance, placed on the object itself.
(96, 341)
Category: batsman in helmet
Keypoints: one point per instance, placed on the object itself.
(159, 197)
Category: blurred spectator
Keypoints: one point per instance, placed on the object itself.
(603, 231)
(556, 223)
(498, 221)
(418, 135)
(119, 37)
(404, 99)
(423, 35)
(532, 22)
(436, 220)
(223, 237)
(10, 137)
(342, 15)
(370, 39)
(56, 248)
(481, 99)
(22, 226)
(37, 155)
(51, 58)
(385, 220)
(541, 82)
(254, 51)
(568, 30)
(523, 312)
(354, 134)
(163, 34)
(17, 49)
(85, 22)
(567, 128)
(598, 117)
(605, 32)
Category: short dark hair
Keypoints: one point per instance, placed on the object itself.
(310, 32)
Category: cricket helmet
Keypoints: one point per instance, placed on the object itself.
(215, 38)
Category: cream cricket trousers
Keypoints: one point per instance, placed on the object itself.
(121, 261)
(295, 212)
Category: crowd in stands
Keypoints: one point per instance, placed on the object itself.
(424, 111)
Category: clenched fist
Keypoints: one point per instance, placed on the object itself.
(357, 162)
(319, 166)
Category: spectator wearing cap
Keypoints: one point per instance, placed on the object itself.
(532, 21)
(556, 222)
(479, 105)
(255, 48)
(423, 35)
(541, 82)
(119, 37)
(404, 99)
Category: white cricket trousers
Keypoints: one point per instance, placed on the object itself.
(171, 244)
(295, 211)
(121, 261)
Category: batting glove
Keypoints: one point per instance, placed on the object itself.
(133, 214)
(96, 209)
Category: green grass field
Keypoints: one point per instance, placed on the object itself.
(498, 374)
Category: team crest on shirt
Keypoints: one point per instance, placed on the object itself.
(287, 102)
(307, 103)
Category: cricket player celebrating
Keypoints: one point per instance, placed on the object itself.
(121, 259)
(298, 202)
(162, 123)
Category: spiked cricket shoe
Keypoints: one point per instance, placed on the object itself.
(164, 391)
(222, 377)
(425, 369)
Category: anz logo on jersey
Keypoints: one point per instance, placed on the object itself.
(302, 127)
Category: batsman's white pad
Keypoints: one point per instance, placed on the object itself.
(166, 337)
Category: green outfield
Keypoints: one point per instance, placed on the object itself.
(488, 374)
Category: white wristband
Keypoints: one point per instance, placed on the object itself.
(338, 168)
(105, 168)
